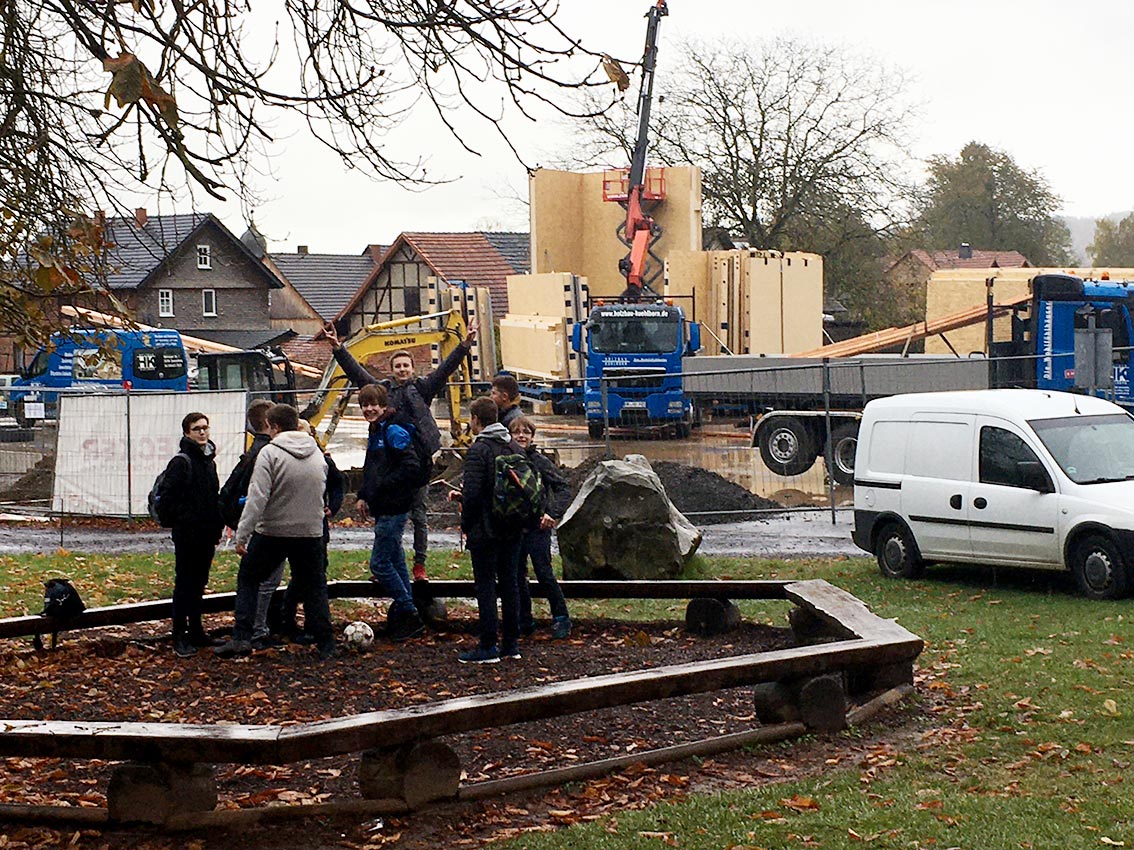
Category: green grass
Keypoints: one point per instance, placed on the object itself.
(1028, 746)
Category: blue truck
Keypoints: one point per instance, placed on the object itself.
(97, 361)
(632, 366)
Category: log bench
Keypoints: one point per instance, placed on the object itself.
(844, 648)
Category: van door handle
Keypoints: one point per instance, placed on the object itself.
(980, 503)
(955, 501)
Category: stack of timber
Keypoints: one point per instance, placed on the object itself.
(750, 302)
(535, 335)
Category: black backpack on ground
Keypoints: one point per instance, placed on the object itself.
(61, 602)
(163, 508)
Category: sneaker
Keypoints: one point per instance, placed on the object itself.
(511, 652)
(304, 639)
(404, 626)
(201, 640)
(560, 628)
(527, 629)
(480, 655)
(419, 571)
(266, 642)
(233, 648)
(327, 651)
(183, 648)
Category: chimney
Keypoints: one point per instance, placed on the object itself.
(301, 249)
(140, 217)
(965, 252)
(376, 252)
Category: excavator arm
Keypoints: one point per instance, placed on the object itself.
(334, 392)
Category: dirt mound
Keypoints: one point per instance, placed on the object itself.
(697, 493)
(705, 497)
(33, 485)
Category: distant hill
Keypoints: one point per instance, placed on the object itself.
(1083, 231)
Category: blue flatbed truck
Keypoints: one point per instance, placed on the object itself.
(792, 431)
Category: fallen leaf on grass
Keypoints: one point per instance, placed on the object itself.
(1110, 707)
(800, 803)
(665, 837)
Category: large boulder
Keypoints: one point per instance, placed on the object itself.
(622, 525)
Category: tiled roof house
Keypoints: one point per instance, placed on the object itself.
(189, 272)
(400, 284)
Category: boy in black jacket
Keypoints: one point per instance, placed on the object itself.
(535, 543)
(390, 475)
(495, 551)
(189, 490)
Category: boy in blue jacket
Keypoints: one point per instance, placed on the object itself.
(390, 476)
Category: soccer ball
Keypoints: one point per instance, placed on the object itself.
(358, 635)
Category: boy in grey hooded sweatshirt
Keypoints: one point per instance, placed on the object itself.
(283, 518)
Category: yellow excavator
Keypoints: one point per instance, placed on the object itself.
(334, 392)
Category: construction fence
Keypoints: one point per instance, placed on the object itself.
(769, 435)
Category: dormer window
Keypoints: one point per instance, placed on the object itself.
(204, 257)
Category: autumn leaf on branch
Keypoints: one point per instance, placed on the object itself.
(131, 81)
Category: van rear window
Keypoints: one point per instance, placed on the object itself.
(158, 364)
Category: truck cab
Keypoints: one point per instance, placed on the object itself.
(99, 361)
(1041, 354)
(633, 357)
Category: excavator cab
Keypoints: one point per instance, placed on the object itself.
(263, 373)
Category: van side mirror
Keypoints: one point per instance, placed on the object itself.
(577, 337)
(1032, 475)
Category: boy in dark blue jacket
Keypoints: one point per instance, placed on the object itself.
(494, 550)
(390, 475)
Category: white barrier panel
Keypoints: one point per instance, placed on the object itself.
(112, 447)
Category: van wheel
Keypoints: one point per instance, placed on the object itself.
(897, 553)
(844, 444)
(1098, 568)
(786, 446)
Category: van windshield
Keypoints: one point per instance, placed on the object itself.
(1090, 449)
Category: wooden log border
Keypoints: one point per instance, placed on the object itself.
(869, 642)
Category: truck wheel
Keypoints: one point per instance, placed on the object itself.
(897, 553)
(1098, 568)
(786, 446)
(595, 430)
(844, 443)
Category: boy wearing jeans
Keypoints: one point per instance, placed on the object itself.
(389, 479)
(536, 541)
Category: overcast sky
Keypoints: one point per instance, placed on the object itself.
(1047, 81)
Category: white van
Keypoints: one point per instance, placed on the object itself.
(1025, 478)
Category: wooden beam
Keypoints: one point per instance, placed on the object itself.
(890, 337)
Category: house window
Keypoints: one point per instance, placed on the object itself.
(165, 302)
(204, 257)
(208, 302)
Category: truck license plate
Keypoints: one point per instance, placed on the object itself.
(634, 405)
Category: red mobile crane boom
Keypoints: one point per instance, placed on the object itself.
(640, 229)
